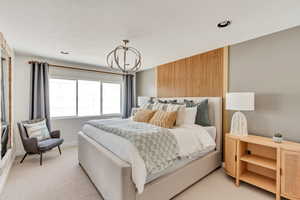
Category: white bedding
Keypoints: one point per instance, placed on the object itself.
(191, 139)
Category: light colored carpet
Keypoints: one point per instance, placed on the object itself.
(61, 178)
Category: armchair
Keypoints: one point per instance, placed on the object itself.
(33, 146)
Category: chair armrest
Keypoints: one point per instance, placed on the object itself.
(31, 145)
(55, 134)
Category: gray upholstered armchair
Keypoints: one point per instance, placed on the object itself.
(33, 146)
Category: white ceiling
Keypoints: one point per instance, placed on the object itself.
(163, 30)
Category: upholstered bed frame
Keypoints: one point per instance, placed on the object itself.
(112, 176)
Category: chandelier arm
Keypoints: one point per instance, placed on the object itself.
(139, 58)
(108, 58)
(137, 66)
(115, 57)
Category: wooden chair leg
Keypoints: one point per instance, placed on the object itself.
(41, 159)
(24, 157)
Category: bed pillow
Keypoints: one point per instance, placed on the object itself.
(143, 115)
(164, 119)
(37, 130)
(180, 109)
(159, 106)
(202, 111)
(146, 106)
(167, 101)
(190, 115)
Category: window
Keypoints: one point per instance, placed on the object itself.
(111, 98)
(62, 97)
(83, 98)
(88, 98)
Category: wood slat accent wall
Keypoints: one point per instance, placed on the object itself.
(203, 75)
(199, 75)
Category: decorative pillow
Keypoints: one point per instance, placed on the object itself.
(202, 111)
(187, 116)
(146, 106)
(37, 130)
(164, 119)
(189, 103)
(143, 115)
(159, 106)
(134, 111)
(180, 109)
(167, 101)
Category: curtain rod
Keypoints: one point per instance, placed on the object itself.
(78, 68)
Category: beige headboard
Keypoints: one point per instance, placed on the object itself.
(215, 113)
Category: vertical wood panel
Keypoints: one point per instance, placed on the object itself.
(199, 75)
(204, 74)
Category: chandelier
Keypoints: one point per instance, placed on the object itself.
(124, 58)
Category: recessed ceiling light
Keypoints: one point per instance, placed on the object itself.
(224, 23)
(64, 52)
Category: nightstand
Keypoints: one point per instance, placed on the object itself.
(259, 161)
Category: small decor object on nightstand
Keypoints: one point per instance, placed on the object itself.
(239, 101)
(278, 138)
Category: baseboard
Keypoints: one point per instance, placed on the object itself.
(5, 171)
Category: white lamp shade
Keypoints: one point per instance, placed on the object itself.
(143, 100)
(242, 101)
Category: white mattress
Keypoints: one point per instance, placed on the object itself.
(193, 142)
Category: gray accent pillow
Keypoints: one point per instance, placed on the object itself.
(202, 111)
(38, 130)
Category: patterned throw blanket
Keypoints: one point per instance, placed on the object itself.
(157, 146)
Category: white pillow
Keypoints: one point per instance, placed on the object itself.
(186, 116)
(38, 130)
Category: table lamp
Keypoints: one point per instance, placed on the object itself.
(239, 101)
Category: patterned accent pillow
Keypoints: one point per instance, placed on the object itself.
(143, 115)
(37, 130)
(159, 106)
(146, 106)
(164, 119)
(134, 110)
(167, 101)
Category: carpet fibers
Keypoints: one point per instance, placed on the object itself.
(61, 178)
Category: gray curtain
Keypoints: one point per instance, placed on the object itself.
(128, 95)
(39, 104)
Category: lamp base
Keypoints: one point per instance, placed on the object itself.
(239, 124)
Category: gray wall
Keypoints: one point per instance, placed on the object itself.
(145, 83)
(268, 66)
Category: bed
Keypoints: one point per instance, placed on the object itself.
(112, 176)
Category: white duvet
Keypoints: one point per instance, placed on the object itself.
(191, 139)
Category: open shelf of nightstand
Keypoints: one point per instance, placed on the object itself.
(260, 161)
(259, 181)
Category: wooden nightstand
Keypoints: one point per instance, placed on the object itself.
(259, 161)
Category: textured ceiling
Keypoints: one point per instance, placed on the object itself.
(163, 30)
